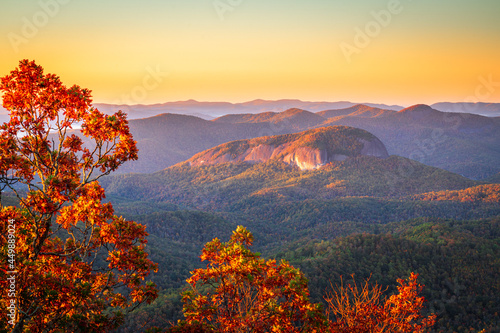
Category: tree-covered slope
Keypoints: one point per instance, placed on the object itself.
(458, 262)
(225, 184)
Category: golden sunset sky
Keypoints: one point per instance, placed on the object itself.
(153, 51)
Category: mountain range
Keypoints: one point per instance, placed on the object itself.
(483, 109)
(335, 209)
(210, 110)
(459, 142)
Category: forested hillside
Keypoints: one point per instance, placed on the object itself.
(366, 216)
(457, 261)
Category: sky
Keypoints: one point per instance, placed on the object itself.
(153, 51)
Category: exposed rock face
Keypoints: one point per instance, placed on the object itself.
(308, 150)
(306, 158)
(374, 147)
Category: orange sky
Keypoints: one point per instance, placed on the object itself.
(393, 52)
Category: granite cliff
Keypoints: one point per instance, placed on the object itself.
(308, 150)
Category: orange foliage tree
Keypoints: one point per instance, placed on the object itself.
(68, 263)
(359, 309)
(240, 292)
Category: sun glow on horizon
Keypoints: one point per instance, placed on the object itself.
(398, 52)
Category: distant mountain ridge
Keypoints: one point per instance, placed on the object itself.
(359, 110)
(463, 143)
(211, 110)
(483, 109)
(294, 118)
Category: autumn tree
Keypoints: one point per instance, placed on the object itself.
(240, 292)
(73, 265)
(360, 309)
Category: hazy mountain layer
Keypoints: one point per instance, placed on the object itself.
(210, 110)
(459, 142)
(462, 143)
(484, 109)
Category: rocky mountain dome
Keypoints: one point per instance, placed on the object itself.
(308, 150)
